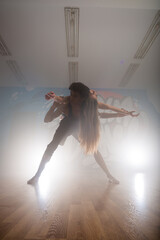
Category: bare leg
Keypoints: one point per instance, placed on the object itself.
(43, 162)
(61, 133)
(99, 159)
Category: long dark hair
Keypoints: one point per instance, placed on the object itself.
(89, 132)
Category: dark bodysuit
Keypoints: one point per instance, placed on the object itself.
(69, 125)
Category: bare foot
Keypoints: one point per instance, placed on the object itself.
(113, 180)
(33, 180)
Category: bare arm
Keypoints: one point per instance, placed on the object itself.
(54, 112)
(111, 115)
(58, 99)
(118, 110)
(109, 107)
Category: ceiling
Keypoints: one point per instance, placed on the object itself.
(110, 33)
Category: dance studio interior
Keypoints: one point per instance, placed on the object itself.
(112, 47)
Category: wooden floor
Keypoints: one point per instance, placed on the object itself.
(81, 206)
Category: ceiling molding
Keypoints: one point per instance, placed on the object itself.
(129, 73)
(4, 51)
(121, 4)
(149, 38)
(72, 31)
(15, 69)
(73, 72)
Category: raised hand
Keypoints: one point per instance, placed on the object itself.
(93, 94)
(50, 95)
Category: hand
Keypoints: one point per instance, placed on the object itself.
(133, 114)
(124, 111)
(93, 94)
(50, 95)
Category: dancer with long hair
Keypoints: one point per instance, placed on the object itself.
(80, 119)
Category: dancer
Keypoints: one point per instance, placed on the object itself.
(80, 120)
(92, 94)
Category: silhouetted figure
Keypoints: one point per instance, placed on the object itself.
(80, 119)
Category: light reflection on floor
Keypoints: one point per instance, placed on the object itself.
(44, 186)
(53, 175)
(139, 186)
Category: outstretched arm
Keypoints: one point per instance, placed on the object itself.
(115, 109)
(104, 106)
(54, 112)
(109, 107)
(111, 115)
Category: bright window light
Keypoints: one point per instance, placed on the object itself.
(136, 152)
